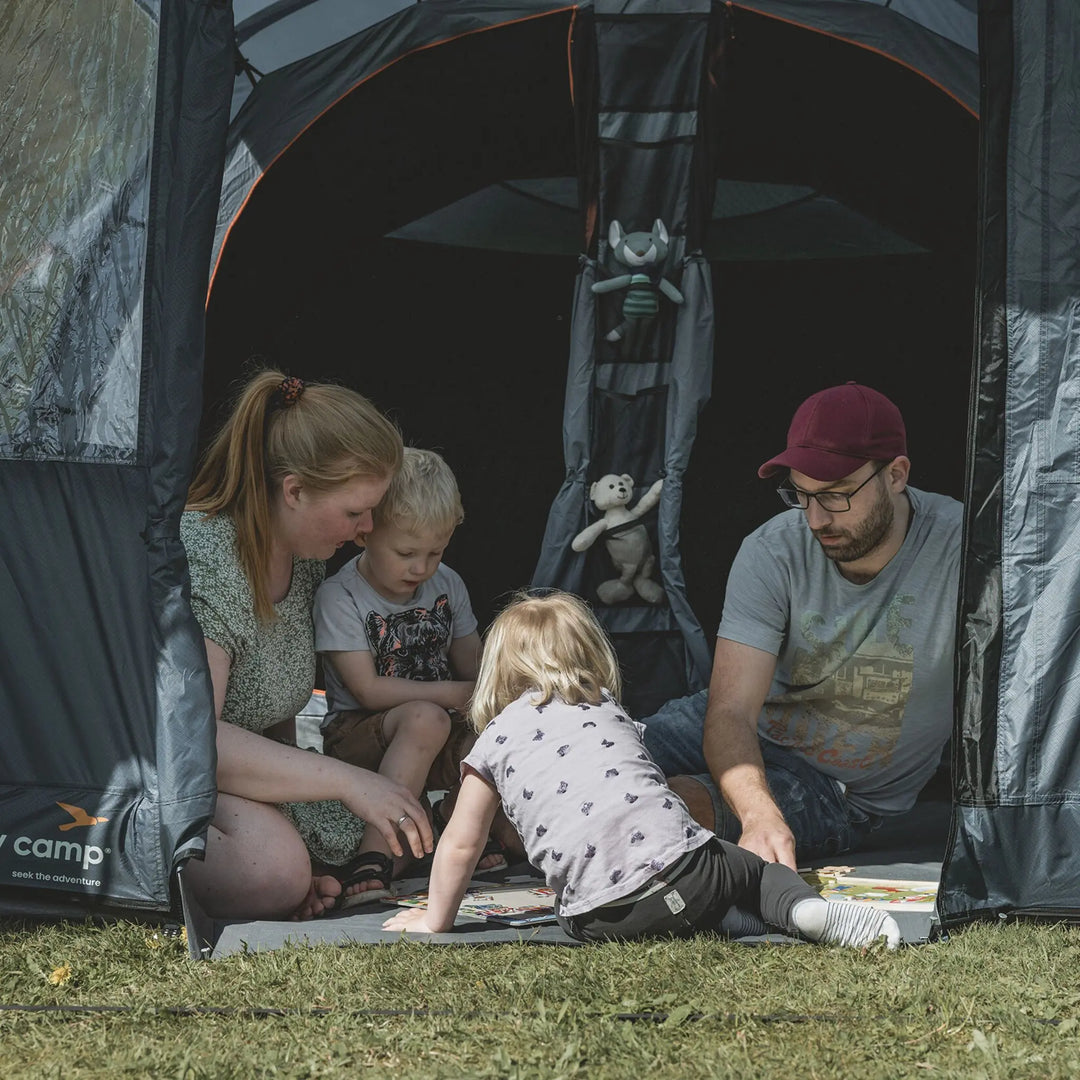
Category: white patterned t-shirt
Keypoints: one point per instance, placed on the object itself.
(591, 807)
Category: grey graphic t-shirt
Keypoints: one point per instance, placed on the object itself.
(407, 641)
(864, 676)
(593, 810)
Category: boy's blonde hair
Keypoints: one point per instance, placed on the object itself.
(422, 497)
(550, 643)
(325, 435)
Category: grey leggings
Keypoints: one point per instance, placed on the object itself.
(716, 877)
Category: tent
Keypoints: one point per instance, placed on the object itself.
(145, 132)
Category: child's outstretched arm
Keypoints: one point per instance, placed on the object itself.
(456, 855)
(377, 692)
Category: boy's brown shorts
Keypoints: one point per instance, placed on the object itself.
(359, 739)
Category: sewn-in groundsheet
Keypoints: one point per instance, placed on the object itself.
(907, 848)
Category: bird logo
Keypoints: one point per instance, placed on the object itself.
(80, 817)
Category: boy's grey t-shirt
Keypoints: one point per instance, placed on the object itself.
(591, 807)
(864, 677)
(410, 640)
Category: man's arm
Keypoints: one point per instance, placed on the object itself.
(741, 677)
(377, 692)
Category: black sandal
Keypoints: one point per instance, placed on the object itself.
(367, 866)
(492, 847)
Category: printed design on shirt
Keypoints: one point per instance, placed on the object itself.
(850, 690)
(412, 644)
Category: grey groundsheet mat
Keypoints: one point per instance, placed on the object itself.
(907, 848)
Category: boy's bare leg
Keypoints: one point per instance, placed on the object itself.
(415, 732)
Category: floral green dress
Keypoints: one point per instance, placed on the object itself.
(273, 664)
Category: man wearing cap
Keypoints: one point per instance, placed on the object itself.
(832, 684)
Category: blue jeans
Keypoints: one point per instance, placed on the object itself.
(822, 818)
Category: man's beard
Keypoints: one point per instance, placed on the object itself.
(859, 543)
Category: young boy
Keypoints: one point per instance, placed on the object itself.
(400, 652)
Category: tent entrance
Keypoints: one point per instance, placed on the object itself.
(468, 348)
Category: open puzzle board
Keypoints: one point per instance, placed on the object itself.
(510, 904)
(845, 883)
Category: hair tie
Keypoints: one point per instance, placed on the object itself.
(288, 393)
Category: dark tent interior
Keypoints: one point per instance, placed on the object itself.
(467, 349)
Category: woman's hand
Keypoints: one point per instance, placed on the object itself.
(265, 771)
(391, 808)
(414, 920)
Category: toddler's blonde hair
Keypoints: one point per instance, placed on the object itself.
(550, 643)
(423, 496)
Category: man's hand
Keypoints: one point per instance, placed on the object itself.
(771, 839)
(740, 680)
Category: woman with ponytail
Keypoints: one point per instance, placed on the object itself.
(292, 475)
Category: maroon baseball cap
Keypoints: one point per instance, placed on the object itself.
(835, 431)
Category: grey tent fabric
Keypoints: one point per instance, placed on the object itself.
(106, 780)
(896, 28)
(72, 256)
(1017, 781)
(271, 35)
(628, 414)
(750, 222)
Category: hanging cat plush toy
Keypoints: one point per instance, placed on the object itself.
(644, 253)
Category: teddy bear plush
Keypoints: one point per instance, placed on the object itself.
(627, 544)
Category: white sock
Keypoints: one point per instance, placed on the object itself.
(844, 923)
(738, 923)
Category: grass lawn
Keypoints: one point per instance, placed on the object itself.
(119, 1000)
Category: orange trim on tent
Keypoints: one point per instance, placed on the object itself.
(422, 48)
(869, 48)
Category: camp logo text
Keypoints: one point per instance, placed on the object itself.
(43, 848)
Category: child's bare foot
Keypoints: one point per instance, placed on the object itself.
(322, 896)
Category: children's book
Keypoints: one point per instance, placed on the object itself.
(511, 905)
(843, 883)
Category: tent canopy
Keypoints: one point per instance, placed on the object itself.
(749, 222)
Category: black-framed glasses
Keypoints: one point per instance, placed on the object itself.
(832, 502)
